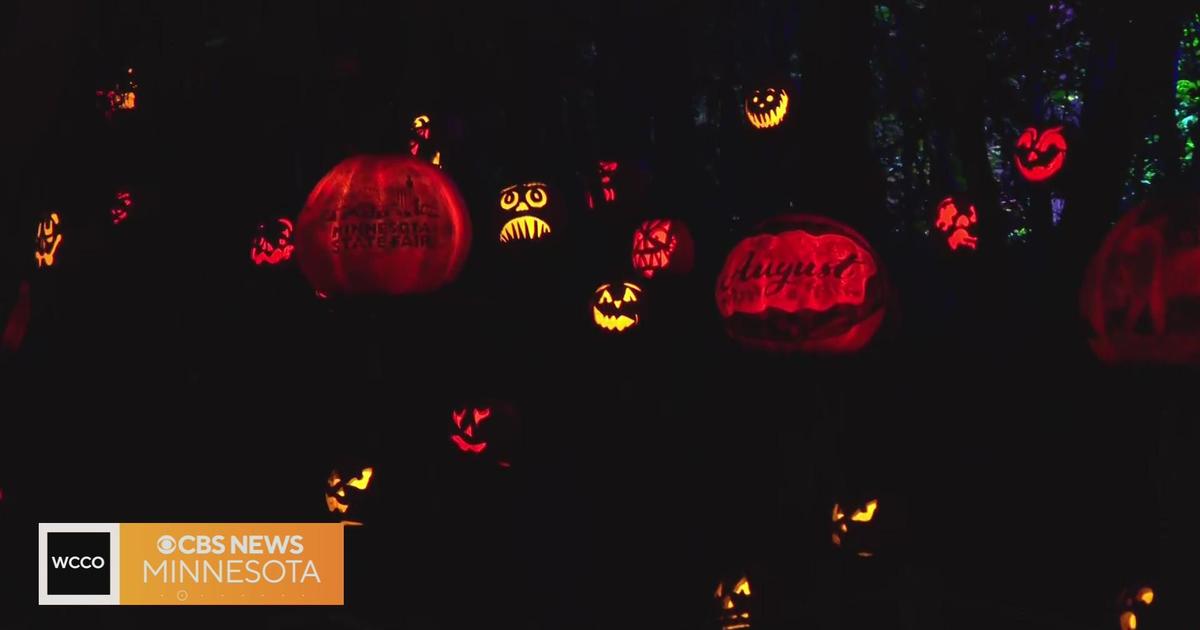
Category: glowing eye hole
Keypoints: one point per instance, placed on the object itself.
(837, 513)
(659, 235)
(720, 587)
(458, 417)
(509, 200)
(1146, 595)
(865, 517)
(770, 98)
(742, 587)
(606, 297)
(420, 121)
(1128, 621)
(362, 482)
(629, 296)
(334, 479)
(482, 414)
(754, 100)
(536, 197)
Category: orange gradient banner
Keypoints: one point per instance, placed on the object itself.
(231, 564)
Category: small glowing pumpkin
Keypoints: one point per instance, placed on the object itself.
(616, 307)
(767, 107)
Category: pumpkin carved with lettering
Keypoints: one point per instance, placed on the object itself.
(803, 283)
(382, 224)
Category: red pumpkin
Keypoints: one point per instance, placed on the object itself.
(1141, 293)
(662, 245)
(1040, 156)
(802, 283)
(383, 224)
(957, 219)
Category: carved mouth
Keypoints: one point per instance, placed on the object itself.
(468, 447)
(524, 228)
(648, 263)
(771, 117)
(1041, 172)
(613, 322)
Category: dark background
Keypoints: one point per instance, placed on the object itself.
(165, 378)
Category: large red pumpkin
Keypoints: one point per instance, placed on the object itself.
(1141, 293)
(803, 283)
(382, 224)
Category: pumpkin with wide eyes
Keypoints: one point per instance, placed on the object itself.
(802, 283)
(273, 244)
(345, 491)
(662, 245)
(1141, 293)
(1135, 608)
(855, 532)
(616, 307)
(530, 208)
(736, 601)
(1040, 155)
(49, 237)
(766, 108)
(957, 219)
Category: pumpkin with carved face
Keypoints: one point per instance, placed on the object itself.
(120, 209)
(346, 491)
(1141, 293)
(803, 283)
(957, 219)
(766, 107)
(603, 189)
(662, 245)
(1040, 154)
(736, 603)
(420, 143)
(485, 431)
(616, 307)
(856, 531)
(528, 210)
(1135, 605)
(273, 244)
(49, 237)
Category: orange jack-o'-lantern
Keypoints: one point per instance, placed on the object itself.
(616, 307)
(957, 220)
(530, 208)
(736, 603)
(1136, 612)
(49, 237)
(1141, 293)
(1040, 155)
(767, 107)
(344, 490)
(662, 245)
(382, 224)
(854, 531)
(802, 283)
(273, 244)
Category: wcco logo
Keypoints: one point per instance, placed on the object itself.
(77, 563)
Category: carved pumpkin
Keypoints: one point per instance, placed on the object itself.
(736, 603)
(273, 244)
(1040, 155)
(603, 191)
(420, 144)
(616, 307)
(344, 490)
(530, 207)
(957, 220)
(1141, 293)
(121, 207)
(485, 431)
(122, 96)
(852, 532)
(662, 245)
(802, 283)
(766, 107)
(49, 237)
(1135, 608)
(382, 224)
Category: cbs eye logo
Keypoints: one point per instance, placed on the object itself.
(78, 563)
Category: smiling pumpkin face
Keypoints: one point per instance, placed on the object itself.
(734, 599)
(766, 108)
(1040, 155)
(615, 307)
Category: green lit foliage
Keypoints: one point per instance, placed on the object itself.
(1187, 88)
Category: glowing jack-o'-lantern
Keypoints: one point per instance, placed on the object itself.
(1135, 610)
(122, 97)
(766, 108)
(734, 601)
(49, 237)
(419, 145)
(662, 245)
(1040, 156)
(382, 224)
(605, 189)
(526, 202)
(120, 209)
(342, 493)
(956, 222)
(802, 283)
(1141, 292)
(486, 431)
(273, 244)
(846, 531)
(615, 307)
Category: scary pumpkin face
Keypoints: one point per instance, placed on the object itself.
(120, 209)
(957, 223)
(342, 491)
(484, 431)
(49, 237)
(662, 245)
(419, 144)
(527, 204)
(615, 307)
(604, 190)
(849, 533)
(273, 244)
(734, 602)
(1039, 156)
(765, 108)
(1134, 604)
